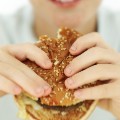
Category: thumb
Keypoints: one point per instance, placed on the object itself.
(104, 104)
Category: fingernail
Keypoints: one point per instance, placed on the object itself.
(77, 94)
(17, 90)
(68, 70)
(73, 48)
(48, 63)
(39, 91)
(46, 88)
(69, 81)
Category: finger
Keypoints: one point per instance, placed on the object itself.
(2, 93)
(33, 87)
(27, 71)
(8, 86)
(87, 41)
(105, 104)
(30, 52)
(99, 92)
(92, 74)
(95, 55)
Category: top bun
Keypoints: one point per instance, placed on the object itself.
(58, 51)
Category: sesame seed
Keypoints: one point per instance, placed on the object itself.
(61, 101)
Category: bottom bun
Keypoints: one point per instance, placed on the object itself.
(31, 110)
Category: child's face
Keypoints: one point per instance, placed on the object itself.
(66, 14)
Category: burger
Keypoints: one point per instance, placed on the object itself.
(60, 104)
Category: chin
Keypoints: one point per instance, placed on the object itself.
(62, 19)
(60, 104)
(70, 24)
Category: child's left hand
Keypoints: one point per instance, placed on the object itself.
(95, 61)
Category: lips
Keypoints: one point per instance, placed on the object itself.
(65, 3)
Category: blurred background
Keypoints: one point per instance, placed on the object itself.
(11, 6)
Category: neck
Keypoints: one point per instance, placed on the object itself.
(90, 26)
(42, 27)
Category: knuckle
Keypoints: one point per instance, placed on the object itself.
(95, 34)
(97, 37)
(96, 51)
(13, 70)
(93, 50)
(28, 45)
(74, 78)
(97, 67)
(103, 91)
(75, 60)
(91, 93)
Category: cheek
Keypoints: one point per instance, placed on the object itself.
(88, 9)
(39, 4)
(91, 6)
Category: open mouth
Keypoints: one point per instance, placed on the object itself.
(65, 3)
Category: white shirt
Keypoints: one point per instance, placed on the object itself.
(17, 28)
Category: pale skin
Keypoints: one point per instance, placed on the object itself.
(15, 76)
(95, 60)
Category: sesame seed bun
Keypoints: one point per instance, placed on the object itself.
(60, 104)
(31, 110)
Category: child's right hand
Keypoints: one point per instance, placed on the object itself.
(15, 76)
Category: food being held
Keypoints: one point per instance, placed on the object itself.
(60, 104)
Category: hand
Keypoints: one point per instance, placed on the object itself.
(15, 76)
(95, 61)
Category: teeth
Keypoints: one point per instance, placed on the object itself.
(65, 1)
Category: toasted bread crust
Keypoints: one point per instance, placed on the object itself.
(75, 113)
(74, 116)
(58, 51)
